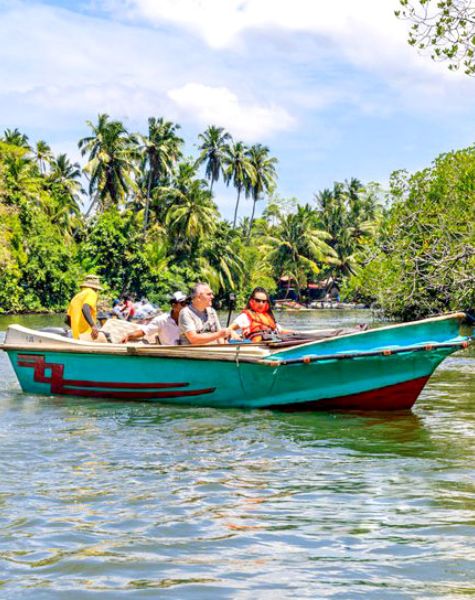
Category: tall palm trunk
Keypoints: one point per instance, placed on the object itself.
(254, 202)
(237, 208)
(91, 206)
(147, 203)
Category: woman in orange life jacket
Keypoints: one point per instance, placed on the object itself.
(257, 321)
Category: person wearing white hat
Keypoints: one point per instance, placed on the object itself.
(164, 328)
(81, 314)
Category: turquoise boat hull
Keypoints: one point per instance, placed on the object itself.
(382, 369)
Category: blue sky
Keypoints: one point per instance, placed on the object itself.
(331, 87)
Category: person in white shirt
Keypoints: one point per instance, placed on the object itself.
(163, 328)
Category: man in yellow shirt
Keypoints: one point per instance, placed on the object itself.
(82, 308)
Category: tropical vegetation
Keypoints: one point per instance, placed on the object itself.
(144, 217)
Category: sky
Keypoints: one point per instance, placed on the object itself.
(331, 87)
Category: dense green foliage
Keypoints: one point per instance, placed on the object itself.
(422, 258)
(149, 225)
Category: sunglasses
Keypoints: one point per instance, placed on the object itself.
(259, 300)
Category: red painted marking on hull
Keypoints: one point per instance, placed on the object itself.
(75, 387)
(133, 395)
(400, 396)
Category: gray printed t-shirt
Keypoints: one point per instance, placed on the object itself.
(191, 319)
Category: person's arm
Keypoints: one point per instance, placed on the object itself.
(86, 311)
(147, 329)
(207, 338)
(233, 328)
(132, 336)
(187, 328)
(240, 323)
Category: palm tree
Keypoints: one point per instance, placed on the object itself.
(164, 196)
(42, 153)
(67, 189)
(220, 263)
(346, 212)
(16, 138)
(68, 173)
(239, 170)
(264, 177)
(214, 142)
(161, 150)
(111, 161)
(21, 180)
(299, 247)
(192, 217)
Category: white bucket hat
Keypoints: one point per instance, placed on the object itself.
(178, 297)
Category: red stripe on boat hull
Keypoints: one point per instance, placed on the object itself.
(111, 389)
(116, 395)
(400, 396)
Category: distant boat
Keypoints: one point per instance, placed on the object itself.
(289, 305)
(380, 369)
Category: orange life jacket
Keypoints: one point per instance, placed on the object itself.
(260, 323)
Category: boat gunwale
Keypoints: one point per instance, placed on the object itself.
(260, 354)
(459, 316)
(134, 351)
(267, 361)
(310, 358)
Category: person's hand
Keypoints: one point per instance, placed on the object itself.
(94, 333)
(125, 339)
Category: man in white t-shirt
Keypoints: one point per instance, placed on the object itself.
(198, 322)
(164, 328)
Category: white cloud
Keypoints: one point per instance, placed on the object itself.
(366, 32)
(273, 36)
(56, 61)
(316, 80)
(221, 106)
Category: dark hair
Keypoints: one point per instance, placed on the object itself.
(261, 290)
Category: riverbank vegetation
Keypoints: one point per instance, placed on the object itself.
(143, 216)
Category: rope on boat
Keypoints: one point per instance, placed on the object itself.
(348, 355)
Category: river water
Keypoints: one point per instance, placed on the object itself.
(137, 500)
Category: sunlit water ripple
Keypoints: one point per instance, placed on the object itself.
(153, 501)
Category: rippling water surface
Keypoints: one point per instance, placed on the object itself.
(153, 501)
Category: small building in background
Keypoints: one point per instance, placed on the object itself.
(287, 289)
(323, 290)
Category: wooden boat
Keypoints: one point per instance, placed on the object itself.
(380, 369)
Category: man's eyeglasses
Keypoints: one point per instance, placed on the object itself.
(259, 300)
